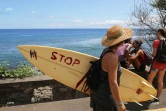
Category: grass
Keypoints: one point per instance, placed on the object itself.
(23, 70)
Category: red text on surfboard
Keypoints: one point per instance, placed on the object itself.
(65, 59)
(139, 91)
(33, 54)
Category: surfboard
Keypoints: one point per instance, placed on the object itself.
(70, 67)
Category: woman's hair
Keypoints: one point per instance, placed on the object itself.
(117, 44)
(127, 40)
(139, 42)
(162, 32)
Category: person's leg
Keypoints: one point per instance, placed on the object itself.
(136, 64)
(160, 82)
(152, 74)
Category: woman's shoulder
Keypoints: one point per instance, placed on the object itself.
(140, 51)
(157, 40)
(110, 56)
(156, 43)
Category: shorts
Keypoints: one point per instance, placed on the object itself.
(156, 70)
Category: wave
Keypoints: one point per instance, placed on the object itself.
(88, 42)
(26, 35)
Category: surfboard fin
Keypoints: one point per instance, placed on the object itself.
(136, 101)
(146, 84)
(151, 95)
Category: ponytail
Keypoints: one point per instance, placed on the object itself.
(139, 42)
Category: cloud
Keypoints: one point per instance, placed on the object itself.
(99, 23)
(51, 16)
(106, 22)
(33, 11)
(78, 21)
(9, 9)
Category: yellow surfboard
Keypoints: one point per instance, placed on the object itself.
(69, 68)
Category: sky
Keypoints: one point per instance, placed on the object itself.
(32, 14)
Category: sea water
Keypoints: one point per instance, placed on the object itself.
(82, 40)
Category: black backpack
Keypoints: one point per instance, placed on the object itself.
(94, 73)
(161, 52)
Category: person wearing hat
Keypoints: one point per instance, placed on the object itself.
(107, 97)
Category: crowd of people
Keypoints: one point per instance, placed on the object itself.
(124, 53)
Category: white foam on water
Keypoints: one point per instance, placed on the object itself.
(86, 43)
(26, 35)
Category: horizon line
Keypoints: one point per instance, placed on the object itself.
(52, 28)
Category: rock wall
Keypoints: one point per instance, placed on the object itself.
(35, 92)
(43, 90)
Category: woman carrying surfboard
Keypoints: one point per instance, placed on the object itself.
(107, 96)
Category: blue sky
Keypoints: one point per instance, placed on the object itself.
(25, 14)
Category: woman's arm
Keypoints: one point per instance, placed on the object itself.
(154, 52)
(129, 47)
(155, 46)
(112, 67)
(127, 51)
(139, 52)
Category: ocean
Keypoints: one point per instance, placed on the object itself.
(82, 40)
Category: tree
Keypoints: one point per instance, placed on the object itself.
(160, 5)
(149, 15)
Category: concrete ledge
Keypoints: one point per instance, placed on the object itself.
(35, 90)
(27, 79)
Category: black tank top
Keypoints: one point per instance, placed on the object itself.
(103, 95)
(105, 74)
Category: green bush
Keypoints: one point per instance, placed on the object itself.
(22, 70)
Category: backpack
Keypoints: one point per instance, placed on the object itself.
(94, 73)
(148, 58)
(161, 52)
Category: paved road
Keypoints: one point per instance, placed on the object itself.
(74, 105)
(65, 105)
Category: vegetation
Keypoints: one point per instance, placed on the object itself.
(22, 70)
(149, 15)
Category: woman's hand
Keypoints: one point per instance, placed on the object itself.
(122, 107)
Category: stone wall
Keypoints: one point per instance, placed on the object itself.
(35, 92)
(42, 89)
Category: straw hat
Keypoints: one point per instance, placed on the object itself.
(116, 34)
